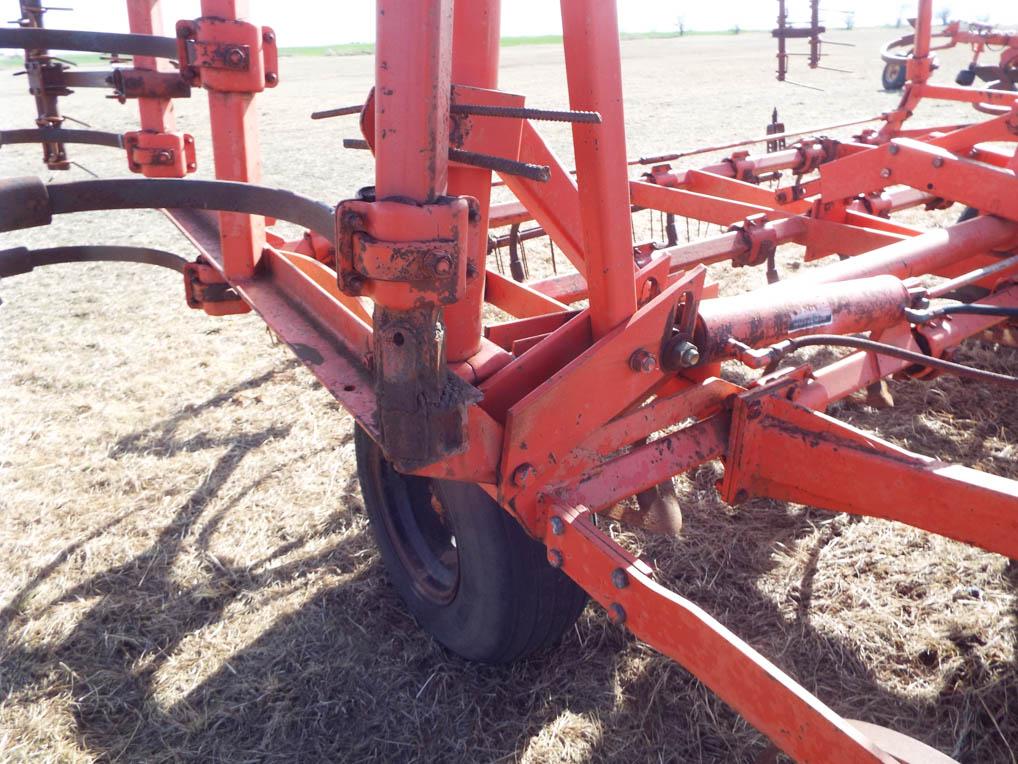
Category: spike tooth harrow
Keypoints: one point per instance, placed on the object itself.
(382, 297)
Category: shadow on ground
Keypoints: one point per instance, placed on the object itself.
(348, 676)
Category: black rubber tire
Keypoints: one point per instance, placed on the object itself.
(507, 601)
(894, 75)
(967, 214)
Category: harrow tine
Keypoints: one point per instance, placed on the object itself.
(341, 111)
(538, 172)
(513, 112)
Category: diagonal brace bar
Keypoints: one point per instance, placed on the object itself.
(797, 722)
(852, 471)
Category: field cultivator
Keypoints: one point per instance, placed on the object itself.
(488, 449)
(981, 38)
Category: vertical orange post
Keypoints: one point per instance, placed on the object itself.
(412, 70)
(145, 17)
(923, 29)
(920, 66)
(475, 49)
(236, 153)
(594, 70)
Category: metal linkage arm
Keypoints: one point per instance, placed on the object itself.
(89, 42)
(81, 196)
(771, 701)
(772, 439)
(46, 135)
(23, 260)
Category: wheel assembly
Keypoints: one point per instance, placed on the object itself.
(894, 75)
(466, 570)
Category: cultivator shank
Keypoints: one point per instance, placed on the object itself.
(613, 377)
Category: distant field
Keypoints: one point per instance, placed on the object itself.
(368, 48)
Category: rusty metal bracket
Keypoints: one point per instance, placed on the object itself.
(143, 83)
(761, 242)
(227, 55)
(206, 289)
(160, 155)
(369, 246)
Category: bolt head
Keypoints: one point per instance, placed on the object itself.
(643, 361)
(557, 526)
(271, 78)
(893, 149)
(616, 614)
(938, 161)
(885, 173)
(162, 157)
(268, 37)
(354, 283)
(690, 355)
(443, 265)
(620, 579)
(555, 558)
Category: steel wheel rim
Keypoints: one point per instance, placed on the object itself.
(420, 532)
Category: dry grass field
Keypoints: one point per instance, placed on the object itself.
(186, 573)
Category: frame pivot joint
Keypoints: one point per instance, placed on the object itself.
(206, 289)
(377, 248)
(760, 242)
(227, 55)
(160, 155)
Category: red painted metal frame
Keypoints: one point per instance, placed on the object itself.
(571, 395)
(549, 450)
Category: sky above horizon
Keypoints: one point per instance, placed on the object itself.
(315, 22)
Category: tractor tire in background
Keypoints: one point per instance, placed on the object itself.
(894, 75)
(465, 569)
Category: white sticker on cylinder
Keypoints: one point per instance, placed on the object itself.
(809, 318)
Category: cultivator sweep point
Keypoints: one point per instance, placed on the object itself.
(487, 449)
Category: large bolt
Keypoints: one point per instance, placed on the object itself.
(162, 157)
(522, 474)
(643, 361)
(235, 56)
(620, 579)
(687, 354)
(616, 614)
(443, 265)
(354, 283)
(938, 162)
(557, 526)
(885, 173)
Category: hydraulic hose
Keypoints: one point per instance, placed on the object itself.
(881, 348)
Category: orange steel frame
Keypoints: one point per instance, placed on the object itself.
(555, 411)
